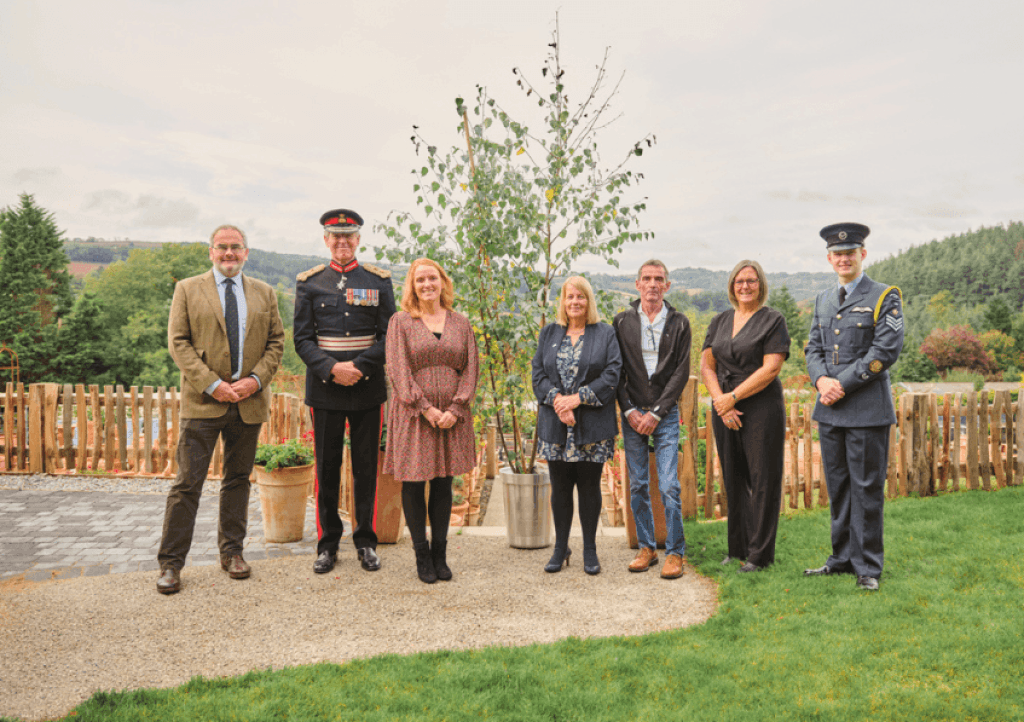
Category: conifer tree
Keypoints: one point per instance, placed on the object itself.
(35, 287)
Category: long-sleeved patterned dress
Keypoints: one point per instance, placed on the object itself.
(429, 371)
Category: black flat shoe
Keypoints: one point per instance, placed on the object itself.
(368, 559)
(325, 562)
(590, 563)
(558, 560)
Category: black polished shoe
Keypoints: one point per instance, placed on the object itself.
(169, 581)
(558, 560)
(822, 571)
(869, 583)
(368, 558)
(748, 567)
(590, 563)
(325, 562)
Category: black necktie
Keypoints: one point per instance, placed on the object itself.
(231, 321)
(842, 295)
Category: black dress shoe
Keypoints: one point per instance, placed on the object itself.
(369, 559)
(820, 571)
(869, 583)
(558, 560)
(169, 581)
(325, 562)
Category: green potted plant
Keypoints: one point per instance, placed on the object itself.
(284, 477)
(507, 216)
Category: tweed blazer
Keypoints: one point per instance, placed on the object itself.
(600, 366)
(198, 342)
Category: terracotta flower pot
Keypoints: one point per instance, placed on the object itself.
(283, 493)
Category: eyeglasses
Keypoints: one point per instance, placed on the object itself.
(746, 282)
(234, 248)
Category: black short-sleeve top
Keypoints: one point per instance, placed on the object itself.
(737, 358)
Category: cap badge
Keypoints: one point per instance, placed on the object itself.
(842, 235)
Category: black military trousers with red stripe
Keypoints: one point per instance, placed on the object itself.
(329, 444)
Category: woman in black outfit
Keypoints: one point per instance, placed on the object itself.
(743, 353)
(575, 375)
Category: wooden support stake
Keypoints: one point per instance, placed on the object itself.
(972, 440)
(172, 442)
(955, 444)
(808, 460)
(1010, 427)
(794, 462)
(995, 432)
(136, 431)
(947, 403)
(709, 467)
(9, 453)
(984, 463)
(83, 428)
(22, 432)
(161, 430)
(122, 428)
(36, 457)
(68, 417)
(906, 435)
(50, 394)
(147, 428)
(97, 426)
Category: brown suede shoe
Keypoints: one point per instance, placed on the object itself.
(673, 567)
(169, 581)
(645, 558)
(235, 566)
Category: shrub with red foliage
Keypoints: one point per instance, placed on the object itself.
(957, 346)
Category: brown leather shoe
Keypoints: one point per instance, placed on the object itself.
(645, 558)
(673, 567)
(235, 566)
(169, 581)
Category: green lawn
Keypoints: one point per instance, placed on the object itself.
(942, 640)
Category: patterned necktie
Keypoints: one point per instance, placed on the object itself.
(842, 295)
(231, 321)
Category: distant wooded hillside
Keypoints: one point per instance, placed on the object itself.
(974, 267)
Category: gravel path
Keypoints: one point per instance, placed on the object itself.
(63, 640)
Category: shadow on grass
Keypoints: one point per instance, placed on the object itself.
(941, 640)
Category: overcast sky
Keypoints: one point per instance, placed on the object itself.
(160, 120)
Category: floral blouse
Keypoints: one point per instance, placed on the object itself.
(568, 362)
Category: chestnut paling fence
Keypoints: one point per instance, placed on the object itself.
(948, 442)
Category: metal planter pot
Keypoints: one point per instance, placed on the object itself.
(528, 508)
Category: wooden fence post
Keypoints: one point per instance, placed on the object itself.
(972, 440)
(956, 442)
(709, 467)
(36, 458)
(688, 469)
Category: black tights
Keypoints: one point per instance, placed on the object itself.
(416, 507)
(586, 477)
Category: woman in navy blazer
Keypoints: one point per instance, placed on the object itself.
(575, 374)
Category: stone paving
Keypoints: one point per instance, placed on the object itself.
(57, 535)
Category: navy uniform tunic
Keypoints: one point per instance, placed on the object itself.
(855, 342)
(342, 314)
(354, 319)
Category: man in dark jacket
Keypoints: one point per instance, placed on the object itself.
(856, 335)
(341, 318)
(654, 340)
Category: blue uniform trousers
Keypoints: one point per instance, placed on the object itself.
(854, 461)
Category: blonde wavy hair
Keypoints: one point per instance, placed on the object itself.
(411, 302)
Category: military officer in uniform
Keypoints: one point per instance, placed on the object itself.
(342, 312)
(856, 335)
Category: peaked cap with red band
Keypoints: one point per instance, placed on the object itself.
(341, 220)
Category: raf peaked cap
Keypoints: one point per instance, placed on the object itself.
(341, 220)
(844, 236)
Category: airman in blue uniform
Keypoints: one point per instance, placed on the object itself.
(342, 312)
(856, 335)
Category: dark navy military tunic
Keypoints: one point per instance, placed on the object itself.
(856, 342)
(343, 315)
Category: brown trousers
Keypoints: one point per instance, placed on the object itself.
(195, 449)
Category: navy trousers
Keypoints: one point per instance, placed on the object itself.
(854, 460)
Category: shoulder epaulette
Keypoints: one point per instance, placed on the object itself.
(310, 273)
(377, 271)
(878, 306)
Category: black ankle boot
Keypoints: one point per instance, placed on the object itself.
(424, 564)
(438, 553)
